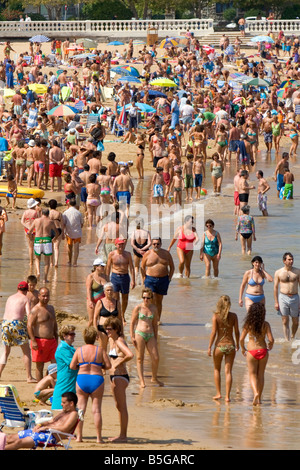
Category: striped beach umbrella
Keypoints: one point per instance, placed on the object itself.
(168, 42)
(129, 79)
(63, 111)
(39, 38)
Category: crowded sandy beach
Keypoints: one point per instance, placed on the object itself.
(149, 242)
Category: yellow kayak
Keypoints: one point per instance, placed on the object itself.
(24, 193)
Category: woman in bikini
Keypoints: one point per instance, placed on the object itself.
(143, 332)
(211, 249)
(93, 190)
(187, 237)
(254, 279)
(140, 242)
(119, 354)
(106, 307)
(294, 136)
(56, 216)
(224, 324)
(3, 219)
(90, 360)
(95, 283)
(257, 351)
(222, 142)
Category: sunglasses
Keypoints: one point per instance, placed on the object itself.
(155, 244)
(71, 334)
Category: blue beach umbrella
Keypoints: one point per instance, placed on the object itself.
(39, 38)
(262, 39)
(126, 71)
(116, 43)
(129, 79)
(143, 107)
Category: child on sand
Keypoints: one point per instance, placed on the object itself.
(12, 190)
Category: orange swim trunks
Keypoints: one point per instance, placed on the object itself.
(72, 241)
(46, 350)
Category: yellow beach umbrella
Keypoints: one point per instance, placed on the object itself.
(165, 82)
(168, 42)
(8, 93)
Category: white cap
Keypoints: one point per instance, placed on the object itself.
(31, 143)
(99, 262)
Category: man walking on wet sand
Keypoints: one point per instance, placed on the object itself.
(42, 330)
(287, 301)
(44, 229)
(14, 328)
(157, 269)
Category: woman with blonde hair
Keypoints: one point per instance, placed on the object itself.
(90, 361)
(224, 324)
(258, 350)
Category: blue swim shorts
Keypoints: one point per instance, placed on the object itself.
(280, 183)
(198, 180)
(158, 285)
(124, 195)
(120, 282)
(37, 437)
(83, 194)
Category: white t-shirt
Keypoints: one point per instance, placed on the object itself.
(187, 110)
(73, 221)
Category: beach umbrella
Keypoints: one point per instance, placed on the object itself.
(129, 79)
(257, 82)
(122, 118)
(154, 94)
(8, 93)
(262, 39)
(63, 110)
(39, 38)
(239, 99)
(168, 42)
(137, 42)
(287, 83)
(143, 107)
(87, 43)
(208, 49)
(126, 70)
(116, 43)
(86, 55)
(164, 82)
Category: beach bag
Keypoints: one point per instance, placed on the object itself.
(100, 147)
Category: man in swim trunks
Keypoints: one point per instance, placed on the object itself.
(244, 188)
(42, 330)
(282, 165)
(263, 187)
(45, 233)
(267, 131)
(123, 188)
(287, 301)
(119, 263)
(157, 269)
(14, 328)
(109, 232)
(65, 422)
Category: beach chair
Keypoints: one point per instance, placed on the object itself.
(15, 415)
(63, 439)
(92, 119)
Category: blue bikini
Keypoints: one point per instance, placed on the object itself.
(90, 382)
(255, 298)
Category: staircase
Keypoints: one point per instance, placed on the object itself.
(214, 38)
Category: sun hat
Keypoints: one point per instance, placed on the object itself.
(31, 203)
(31, 143)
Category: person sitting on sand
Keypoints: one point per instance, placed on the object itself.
(44, 388)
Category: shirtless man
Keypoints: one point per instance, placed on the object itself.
(95, 162)
(263, 187)
(56, 161)
(198, 174)
(39, 155)
(119, 262)
(81, 158)
(267, 130)
(44, 228)
(123, 188)
(244, 188)
(287, 301)
(157, 269)
(282, 165)
(64, 422)
(236, 181)
(42, 330)
(14, 328)
(109, 232)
